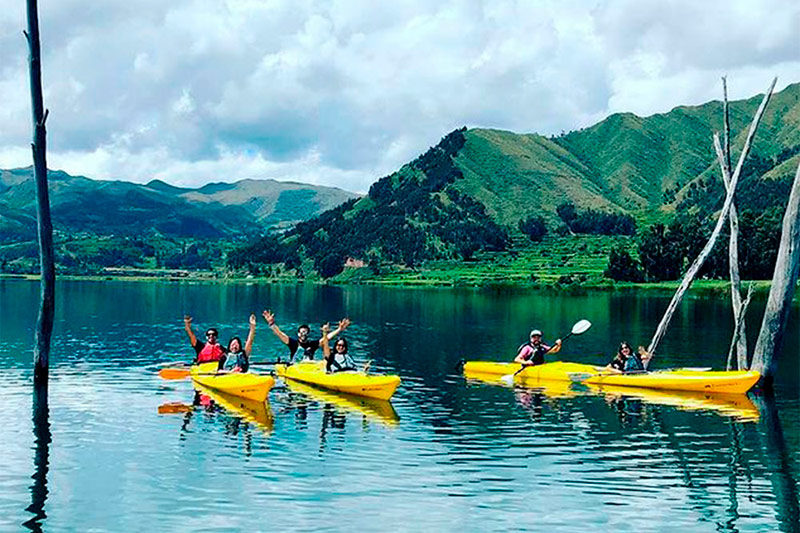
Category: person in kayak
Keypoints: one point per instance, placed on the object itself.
(532, 352)
(338, 360)
(209, 351)
(237, 358)
(302, 341)
(626, 360)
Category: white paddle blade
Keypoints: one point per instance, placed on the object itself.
(508, 378)
(581, 326)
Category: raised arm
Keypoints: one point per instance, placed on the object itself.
(269, 316)
(326, 347)
(556, 347)
(644, 356)
(187, 325)
(248, 344)
(343, 323)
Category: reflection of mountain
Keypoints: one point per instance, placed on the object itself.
(80, 204)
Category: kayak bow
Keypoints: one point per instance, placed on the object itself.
(734, 381)
(377, 386)
(241, 384)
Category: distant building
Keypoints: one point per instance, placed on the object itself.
(351, 262)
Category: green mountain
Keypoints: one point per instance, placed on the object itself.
(469, 192)
(217, 210)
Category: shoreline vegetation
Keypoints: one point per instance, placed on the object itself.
(418, 279)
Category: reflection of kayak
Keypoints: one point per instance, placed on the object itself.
(548, 387)
(738, 381)
(734, 405)
(241, 384)
(257, 412)
(371, 407)
(557, 370)
(370, 385)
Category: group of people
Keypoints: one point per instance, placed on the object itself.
(532, 353)
(236, 356)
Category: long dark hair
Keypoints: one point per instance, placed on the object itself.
(622, 345)
(241, 346)
(346, 345)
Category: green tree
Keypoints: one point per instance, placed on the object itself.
(534, 227)
(623, 267)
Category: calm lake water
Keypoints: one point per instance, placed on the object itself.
(118, 449)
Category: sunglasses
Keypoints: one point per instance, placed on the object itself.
(211, 334)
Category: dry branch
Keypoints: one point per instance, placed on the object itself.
(698, 262)
(44, 323)
(738, 328)
(733, 262)
(784, 280)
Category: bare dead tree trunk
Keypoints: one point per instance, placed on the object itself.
(733, 265)
(733, 246)
(784, 280)
(738, 328)
(688, 278)
(44, 324)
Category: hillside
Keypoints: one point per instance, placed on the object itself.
(468, 193)
(217, 210)
(152, 227)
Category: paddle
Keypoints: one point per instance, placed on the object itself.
(580, 327)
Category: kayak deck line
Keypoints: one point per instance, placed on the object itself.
(554, 371)
(241, 384)
(720, 381)
(377, 386)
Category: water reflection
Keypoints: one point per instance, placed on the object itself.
(41, 461)
(238, 416)
(779, 464)
(444, 455)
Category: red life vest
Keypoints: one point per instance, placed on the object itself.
(209, 353)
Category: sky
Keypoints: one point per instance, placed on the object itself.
(342, 93)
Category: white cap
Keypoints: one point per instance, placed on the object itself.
(536, 332)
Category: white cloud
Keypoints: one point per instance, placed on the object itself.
(344, 92)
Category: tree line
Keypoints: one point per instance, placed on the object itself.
(663, 252)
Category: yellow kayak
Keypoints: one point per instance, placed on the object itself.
(241, 384)
(735, 381)
(381, 387)
(555, 371)
(738, 406)
(548, 387)
(373, 408)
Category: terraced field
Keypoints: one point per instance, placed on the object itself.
(554, 261)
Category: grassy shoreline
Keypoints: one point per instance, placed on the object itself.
(704, 287)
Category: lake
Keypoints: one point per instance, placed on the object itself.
(118, 449)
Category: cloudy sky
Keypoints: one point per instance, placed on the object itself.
(343, 92)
